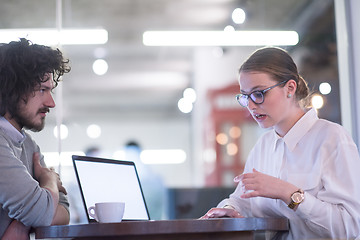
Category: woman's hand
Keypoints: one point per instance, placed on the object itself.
(221, 212)
(257, 184)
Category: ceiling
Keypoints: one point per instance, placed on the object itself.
(145, 80)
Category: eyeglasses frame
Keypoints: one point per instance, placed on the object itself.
(238, 96)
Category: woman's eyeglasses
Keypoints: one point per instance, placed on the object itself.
(256, 96)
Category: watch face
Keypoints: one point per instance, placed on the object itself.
(297, 197)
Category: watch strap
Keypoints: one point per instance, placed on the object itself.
(293, 204)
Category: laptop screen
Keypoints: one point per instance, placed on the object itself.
(105, 180)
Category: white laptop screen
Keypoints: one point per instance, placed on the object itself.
(104, 180)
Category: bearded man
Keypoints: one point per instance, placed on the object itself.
(31, 194)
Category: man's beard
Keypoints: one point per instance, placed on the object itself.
(25, 120)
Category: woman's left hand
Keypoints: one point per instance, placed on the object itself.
(257, 184)
(220, 213)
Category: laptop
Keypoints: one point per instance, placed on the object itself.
(106, 180)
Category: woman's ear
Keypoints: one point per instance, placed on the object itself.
(291, 87)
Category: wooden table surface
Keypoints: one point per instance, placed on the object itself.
(221, 228)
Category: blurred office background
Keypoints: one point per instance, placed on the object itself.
(192, 151)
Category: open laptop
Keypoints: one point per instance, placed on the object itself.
(106, 180)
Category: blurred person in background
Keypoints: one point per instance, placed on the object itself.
(305, 169)
(151, 183)
(31, 194)
(93, 151)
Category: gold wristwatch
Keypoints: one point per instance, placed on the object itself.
(296, 198)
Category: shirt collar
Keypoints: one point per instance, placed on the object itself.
(11, 131)
(277, 140)
(300, 128)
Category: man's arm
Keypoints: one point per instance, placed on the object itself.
(50, 180)
(62, 216)
(16, 230)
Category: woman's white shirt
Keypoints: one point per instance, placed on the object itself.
(319, 157)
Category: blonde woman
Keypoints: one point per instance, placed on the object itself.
(305, 168)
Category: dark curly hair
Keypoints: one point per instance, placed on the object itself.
(22, 69)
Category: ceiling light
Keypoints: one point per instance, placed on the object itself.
(232, 149)
(238, 16)
(235, 132)
(54, 37)
(185, 105)
(325, 88)
(317, 101)
(64, 132)
(229, 28)
(190, 94)
(93, 131)
(220, 38)
(221, 138)
(100, 67)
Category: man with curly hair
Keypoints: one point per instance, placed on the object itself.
(31, 194)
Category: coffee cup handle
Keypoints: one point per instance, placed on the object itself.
(92, 213)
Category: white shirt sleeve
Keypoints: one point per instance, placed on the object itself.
(335, 208)
(320, 158)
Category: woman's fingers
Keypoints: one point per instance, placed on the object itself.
(221, 212)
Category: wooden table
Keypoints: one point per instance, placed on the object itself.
(221, 228)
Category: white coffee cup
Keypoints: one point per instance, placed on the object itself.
(107, 212)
